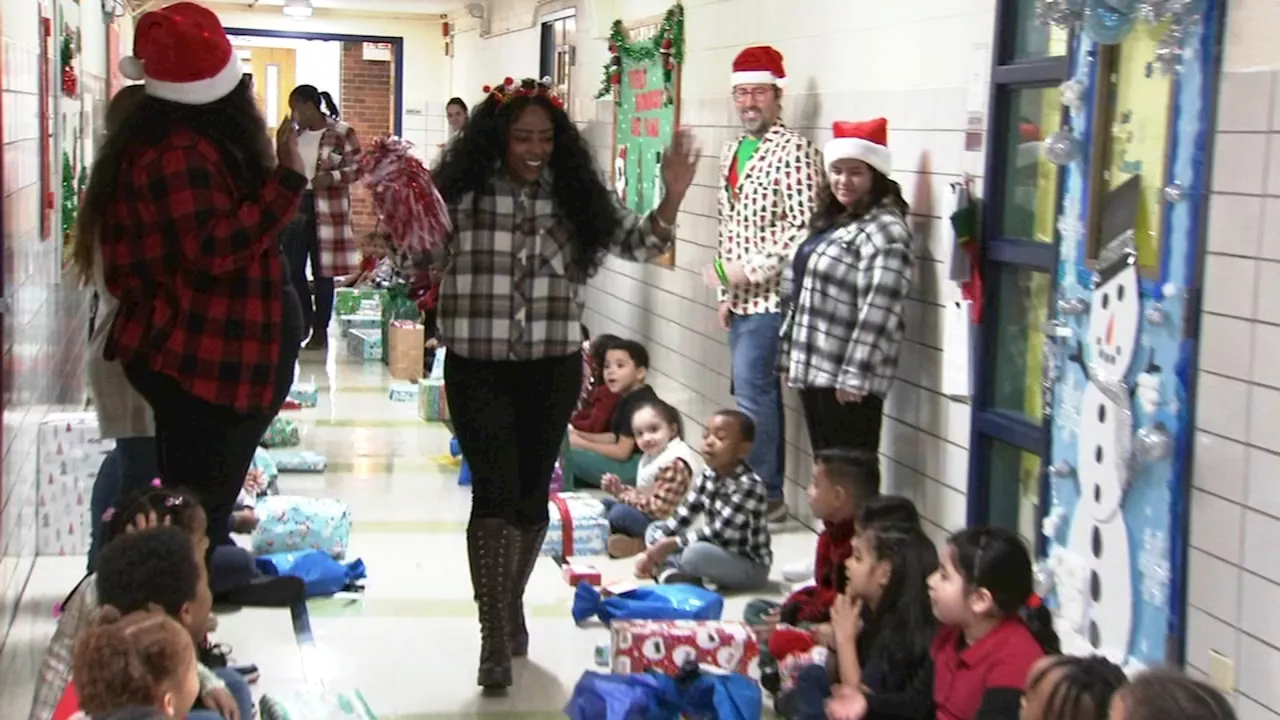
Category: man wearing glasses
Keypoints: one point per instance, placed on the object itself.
(769, 179)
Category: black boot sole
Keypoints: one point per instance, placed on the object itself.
(273, 592)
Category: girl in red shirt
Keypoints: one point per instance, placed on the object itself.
(996, 627)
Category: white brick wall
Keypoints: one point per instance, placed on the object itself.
(1234, 581)
(853, 59)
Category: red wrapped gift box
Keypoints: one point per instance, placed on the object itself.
(666, 645)
(581, 573)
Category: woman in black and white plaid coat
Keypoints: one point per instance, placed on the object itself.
(845, 292)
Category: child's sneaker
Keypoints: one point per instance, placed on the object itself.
(216, 656)
(625, 546)
(672, 576)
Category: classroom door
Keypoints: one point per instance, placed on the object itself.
(274, 77)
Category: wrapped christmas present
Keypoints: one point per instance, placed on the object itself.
(69, 452)
(433, 405)
(364, 344)
(347, 323)
(359, 301)
(263, 463)
(282, 432)
(298, 461)
(289, 522)
(306, 394)
(578, 526)
(403, 392)
(666, 645)
(312, 704)
(405, 349)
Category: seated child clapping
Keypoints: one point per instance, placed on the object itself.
(139, 665)
(883, 627)
(662, 478)
(995, 626)
(731, 550)
(160, 567)
(591, 456)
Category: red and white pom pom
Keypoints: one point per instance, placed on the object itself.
(409, 206)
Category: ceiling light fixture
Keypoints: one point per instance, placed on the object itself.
(298, 8)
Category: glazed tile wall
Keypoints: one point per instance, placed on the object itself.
(45, 318)
(1234, 575)
(926, 53)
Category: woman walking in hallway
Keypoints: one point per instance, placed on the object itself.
(845, 290)
(532, 222)
(322, 231)
(206, 329)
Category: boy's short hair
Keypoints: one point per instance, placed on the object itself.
(857, 471)
(155, 566)
(746, 426)
(883, 510)
(601, 345)
(637, 352)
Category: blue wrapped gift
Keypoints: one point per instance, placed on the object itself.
(347, 323)
(305, 394)
(578, 526)
(298, 461)
(287, 523)
(403, 392)
(365, 344)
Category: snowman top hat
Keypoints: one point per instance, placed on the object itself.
(183, 54)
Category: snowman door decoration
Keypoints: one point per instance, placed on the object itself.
(1098, 536)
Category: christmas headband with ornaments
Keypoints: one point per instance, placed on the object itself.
(528, 87)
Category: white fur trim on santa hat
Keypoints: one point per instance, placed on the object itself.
(849, 148)
(757, 77)
(200, 92)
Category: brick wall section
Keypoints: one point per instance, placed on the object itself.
(368, 94)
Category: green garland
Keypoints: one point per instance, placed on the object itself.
(70, 198)
(667, 43)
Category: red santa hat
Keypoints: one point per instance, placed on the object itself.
(866, 141)
(759, 65)
(183, 54)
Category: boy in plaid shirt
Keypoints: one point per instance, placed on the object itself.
(731, 549)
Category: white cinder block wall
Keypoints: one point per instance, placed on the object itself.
(1234, 582)
(912, 62)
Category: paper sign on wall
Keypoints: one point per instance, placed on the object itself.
(957, 349)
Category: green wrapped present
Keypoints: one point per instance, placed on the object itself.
(359, 301)
(282, 432)
(315, 705)
(433, 405)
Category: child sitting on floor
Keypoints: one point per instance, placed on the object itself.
(662, 478)
(143, 660)
(596, 402)
(732, 549)
(1063, 687)
(1165, 694)
(373, 249)
(842, 482)
(160, 567)
(591, 456)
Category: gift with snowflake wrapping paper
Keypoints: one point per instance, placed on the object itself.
(69, 451)
(292, 460)
(315, 705)
(289, 522)
(364, 344)
(578, 526)
(282, 432)
(347, 323)
(665, 646)
(305, 394)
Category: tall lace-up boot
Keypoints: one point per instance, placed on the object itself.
(490, 552)
(527, 548)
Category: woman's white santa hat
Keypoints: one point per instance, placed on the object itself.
(183, 54)
(759, 65)
(866, 141)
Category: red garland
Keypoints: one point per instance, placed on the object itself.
(409, 206)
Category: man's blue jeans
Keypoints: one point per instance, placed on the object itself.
(624, 519)
(753, 347)
(125, 471)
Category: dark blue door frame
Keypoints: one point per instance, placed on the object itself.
(1002, 255)
(397, 43)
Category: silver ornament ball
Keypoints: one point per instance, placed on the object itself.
(1062, 148)
(1174, 193)
(1153, 443)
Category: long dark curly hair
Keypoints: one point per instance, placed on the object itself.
(233, 124)
(581, 197)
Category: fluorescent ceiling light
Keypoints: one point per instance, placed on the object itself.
(298, 8)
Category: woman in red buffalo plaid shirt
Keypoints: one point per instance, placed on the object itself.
(322, 230)
(208, 328)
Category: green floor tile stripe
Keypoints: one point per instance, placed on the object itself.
(367, 607)
(408, 527)
(372, 423)
(384, 466)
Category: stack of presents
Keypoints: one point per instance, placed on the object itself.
(380, 324)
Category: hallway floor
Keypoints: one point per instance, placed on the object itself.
(409, 643)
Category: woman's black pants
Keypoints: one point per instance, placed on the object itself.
(832, 424)
(510, 418)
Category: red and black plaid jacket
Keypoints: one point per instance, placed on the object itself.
(197, 269)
